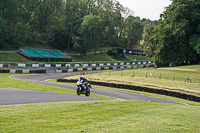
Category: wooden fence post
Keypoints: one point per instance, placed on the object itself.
(174, 78)
(133, 74)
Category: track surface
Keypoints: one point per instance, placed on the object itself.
(17, 96)
(36, 97)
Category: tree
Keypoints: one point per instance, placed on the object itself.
(20, 35)
(176, 26)
(195, 43)
(63, 23)
(148, 46)
(58, 39)
(79, 45)
(8, 10)
(4, 33)
(134, 30)
(91, 30)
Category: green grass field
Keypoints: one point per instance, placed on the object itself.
(189, 67)
(92, 57)
(100, 116)
(139, 57)
(113, 116)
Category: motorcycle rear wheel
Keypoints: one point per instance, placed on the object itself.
(87, 93)
(78, 91)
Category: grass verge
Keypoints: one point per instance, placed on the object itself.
(100, 116)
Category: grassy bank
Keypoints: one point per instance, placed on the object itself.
(185, 68)
(15, 57)
(173, 80)
(100, 116)
(139, 92)
(12, 57)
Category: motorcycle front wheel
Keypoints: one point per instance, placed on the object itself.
(87, 93)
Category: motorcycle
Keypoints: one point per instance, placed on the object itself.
(80, 90)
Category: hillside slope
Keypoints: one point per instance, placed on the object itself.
(15, 57)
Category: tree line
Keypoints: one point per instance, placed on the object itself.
(176, 38)
(81, 25)
(68, 24)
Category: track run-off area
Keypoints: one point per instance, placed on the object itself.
(17, 96)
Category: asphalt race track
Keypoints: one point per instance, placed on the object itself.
(17, 96)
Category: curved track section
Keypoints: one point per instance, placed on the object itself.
(110, 93)
(17, 96)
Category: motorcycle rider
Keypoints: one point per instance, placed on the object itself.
(84, 81)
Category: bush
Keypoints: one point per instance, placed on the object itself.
(58, 39)
(111, 52)
(20, 35)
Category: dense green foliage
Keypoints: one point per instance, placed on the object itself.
(195, 40)
(133, 30)
(3, 33)
(77, 25)
(176, 38)
(90, 32)
(148, 45)
(111, 52)
(85, 25)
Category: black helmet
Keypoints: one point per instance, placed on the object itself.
(81, 77)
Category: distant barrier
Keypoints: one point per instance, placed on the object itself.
(4, 71)
(23, 71)
(103, 68)
(73, 67)
(74, 64)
